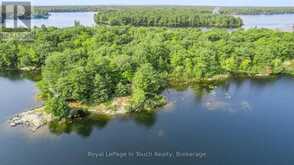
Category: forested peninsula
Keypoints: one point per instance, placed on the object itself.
(93, 65)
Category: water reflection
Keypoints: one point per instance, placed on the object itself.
(233, 95)
(230, 96)
(20, 76)
(62, 19)
(199, 89)
(282, 22)
(262, 116)
(84, 127)
(147, 119)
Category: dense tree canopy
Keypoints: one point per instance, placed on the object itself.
(146, 84)
(166, 17)
(95, 65)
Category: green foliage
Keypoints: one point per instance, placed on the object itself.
(57, 106)
(39, 13)
(147, 79)
(75, 85)
(138, 100)
(101, 90)
(257, 10)
(196, 9)
(146, 85)
(122, 89)
(8, 55)
(97, 64)
(165, 17)
(27, 56)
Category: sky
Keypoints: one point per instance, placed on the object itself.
(166, 2)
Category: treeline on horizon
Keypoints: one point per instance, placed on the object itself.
(168, 17)
(257, 10)
(36, 13)
(206, 11)
(200, 9)
(95, 8)
(93, 65)
(40, 13)
(43, 11)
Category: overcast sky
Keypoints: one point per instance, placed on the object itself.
(167, 2)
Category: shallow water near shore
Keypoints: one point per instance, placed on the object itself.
(240, 122)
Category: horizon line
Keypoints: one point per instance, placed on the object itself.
(162, 5)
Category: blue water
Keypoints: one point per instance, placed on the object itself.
(64, 19)
(239, 122)
(283, 22)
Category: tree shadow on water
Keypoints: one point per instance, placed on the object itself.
(147, 119)
(18, 75)
(83, 127)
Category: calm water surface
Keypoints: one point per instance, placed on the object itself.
(63, 19)
(283, 22)
(240, 122)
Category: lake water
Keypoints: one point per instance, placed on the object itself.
(63, 19)
(283, 22)
(240, 122)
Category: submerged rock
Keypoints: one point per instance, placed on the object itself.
(213, 105)
(245, 106)
(228, 96)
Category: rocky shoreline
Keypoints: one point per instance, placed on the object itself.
(38, 118)
(33, 119)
